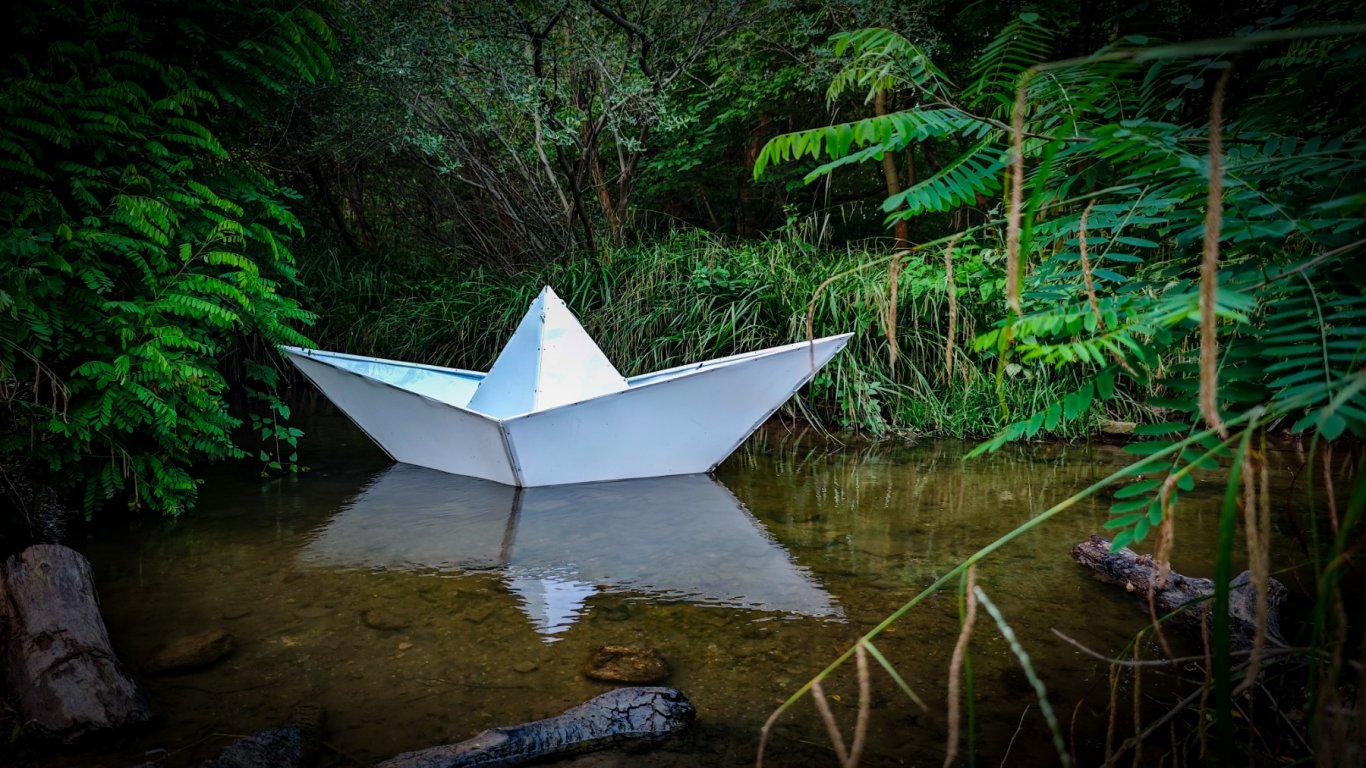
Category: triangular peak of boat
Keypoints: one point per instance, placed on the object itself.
(452, 386)
(549, 361)
(718, 362)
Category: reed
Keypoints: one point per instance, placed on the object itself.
(694, 296)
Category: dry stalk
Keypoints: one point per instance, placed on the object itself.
(1209, 674)
(1257, 521)
(956, 665)
(1138, 706)
(1072, 727)
(811, 318)
(953, 307)
(1361, 705)
(763, 736)
(1157, 623)
(1330, 718)
(1175, 661)
(1176, 743)
(1166, 541)
(865, 706)
(889, 316)
(816, 294)
(831, 727)
(1328, 486)
(1113, 713)
(1005, 758)
(1086, 270)
(1209, 267)
(1016, 200)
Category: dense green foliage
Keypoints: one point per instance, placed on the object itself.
(1187, 219)
(1114, 147)
(147, 148)
(1100, 219)
(693, 297)
(138, 253)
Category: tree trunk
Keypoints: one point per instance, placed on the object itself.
(55, 659)
(889, 175)
(747, 195)
(609, 209)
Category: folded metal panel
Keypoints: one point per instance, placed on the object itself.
(413, 428)
(449, 385)
(549, 361)
(675, 372)
(681, 425)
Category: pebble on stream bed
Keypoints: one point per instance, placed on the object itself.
(627, 664)
(189, 653)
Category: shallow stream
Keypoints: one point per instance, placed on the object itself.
(419, 608)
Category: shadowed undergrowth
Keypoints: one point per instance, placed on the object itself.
(695, 297)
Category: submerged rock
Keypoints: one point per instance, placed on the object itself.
(627, 664)
(189, 653)
(383, 620)
(289, 746)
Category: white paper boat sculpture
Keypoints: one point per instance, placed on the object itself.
(681, 538)
(553, 410)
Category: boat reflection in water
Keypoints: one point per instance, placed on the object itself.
(684, 537)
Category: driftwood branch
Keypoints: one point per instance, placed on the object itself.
(1188, 597)
(625, 716)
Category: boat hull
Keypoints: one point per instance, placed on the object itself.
(682, 421)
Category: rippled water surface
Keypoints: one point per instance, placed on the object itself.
(419, 608)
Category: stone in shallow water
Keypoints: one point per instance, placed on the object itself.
(627, 664)
(189, 653)
(383, 620)
(613, 611)
(478, 614)
(313, 612)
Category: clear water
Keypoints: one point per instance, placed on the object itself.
(419, 608)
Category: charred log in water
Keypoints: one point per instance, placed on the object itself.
(291, 745)
(55, 659)
(625, 716)
(1138, 574)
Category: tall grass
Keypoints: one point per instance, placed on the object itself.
(694, 297)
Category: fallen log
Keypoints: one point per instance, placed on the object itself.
(291, 745)
(625, 716)
(1190, 597)
(55, 659)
